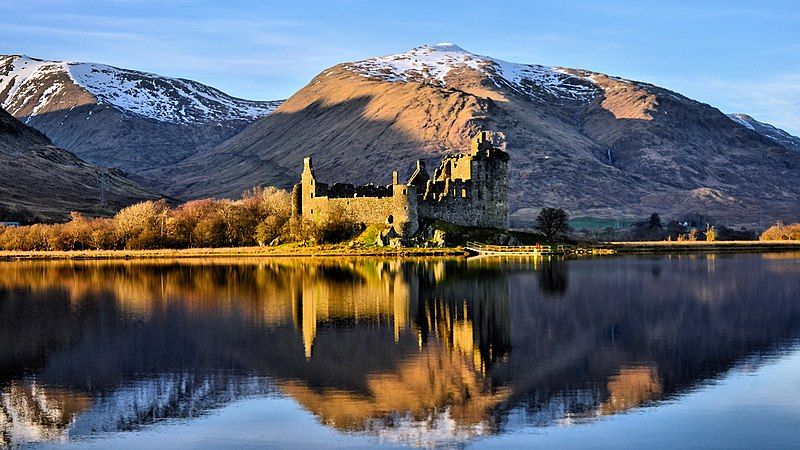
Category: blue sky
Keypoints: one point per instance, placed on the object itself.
(738, 56)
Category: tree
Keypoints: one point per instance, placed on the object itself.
(184, 219)
(276, 202)
(240, 222)
(209, 232)
(655, 221)
(711, 233)
(103, 234)
(142, 225)
(337, 226)
(553, 223)
(780, 232)
(268, 230)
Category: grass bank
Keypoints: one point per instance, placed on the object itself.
(701, 246)
(294, 250)
(281, 250)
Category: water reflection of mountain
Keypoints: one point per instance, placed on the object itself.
(420, 351)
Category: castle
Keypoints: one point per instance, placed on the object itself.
(467, 189)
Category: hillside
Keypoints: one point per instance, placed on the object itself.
(770, 131)
(131, 120)
(594, 144)
(41, 182)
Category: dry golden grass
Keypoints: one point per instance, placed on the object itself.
(699, 246)
(282, 250)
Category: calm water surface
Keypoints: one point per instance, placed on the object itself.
(667, 351)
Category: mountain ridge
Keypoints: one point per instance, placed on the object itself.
(772, 132)
(157, 97)
(595, 144)
(127, 119)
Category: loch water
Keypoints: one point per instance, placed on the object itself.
(678, 351)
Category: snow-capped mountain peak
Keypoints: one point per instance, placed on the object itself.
(165, 99)
(432, 64)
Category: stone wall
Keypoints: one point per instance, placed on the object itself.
(399, 210)
(395, 204)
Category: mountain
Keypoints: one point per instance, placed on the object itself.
(594, 144)
(776, 134)
(41, 182)
(131, 120)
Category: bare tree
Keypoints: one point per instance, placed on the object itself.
(553, 223)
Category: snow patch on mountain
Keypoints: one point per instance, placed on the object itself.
(741, 119)
(432, 64)
(770, 131)
(157, 97)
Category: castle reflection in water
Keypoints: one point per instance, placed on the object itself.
(423, 352)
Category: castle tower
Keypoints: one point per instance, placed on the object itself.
(404, 199)
(489, 176)
(308, 188)
(308, 179)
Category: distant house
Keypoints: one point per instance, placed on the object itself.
(9, 224)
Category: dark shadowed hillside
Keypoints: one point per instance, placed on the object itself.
(41, 182)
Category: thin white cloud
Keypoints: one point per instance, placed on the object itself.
(775, 100)
(77, 33)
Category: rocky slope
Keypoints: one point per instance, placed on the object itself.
(594, 144)
(41, 182)
(770, 131)
(121, 118)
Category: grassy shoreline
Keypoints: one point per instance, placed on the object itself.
(282, 251)
(289, 250)
(701, 246)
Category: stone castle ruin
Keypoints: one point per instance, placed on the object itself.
(467, 189)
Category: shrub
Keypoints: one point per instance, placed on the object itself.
(337, 226)
(711, 233)
(655, 221)
(269, 229)
(260, 215)
(781, 232)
